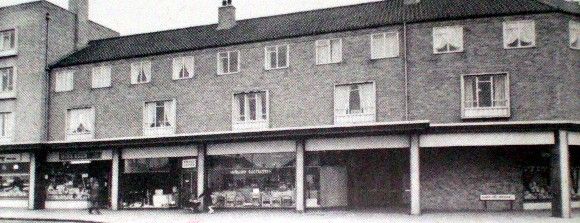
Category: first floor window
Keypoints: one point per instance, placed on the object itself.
(574, 35)
(7, 40)
(252, 106)
(64, 81)
(485, 95)
(80, 121)
(159, 115)
(447, 39)
(354, 102)
(141, 72)
(101, 76)
(6, 79)
(6, 124)
(328, 51)
(519, 34)
(183, 67)
(228, 62)
(276, 57)
(384, 45)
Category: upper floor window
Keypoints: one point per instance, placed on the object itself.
(519, 34)
(447, 39)
(183, 67)
(574, 35)
(354, 103)
(384, 45)
(228, 62)
(101, 77)
(250, 110)
(6, 81)
(328, 51)
(80, 124)
(141, 72)
(64, 81)
(276, 57)
(485, 96)
(6, 126)
(159, 118)
(7, 40)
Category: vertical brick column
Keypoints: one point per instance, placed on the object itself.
(32, 196)
(415, 175)
(115, 169)
(201, 172)
(300, 205)
(560, 172)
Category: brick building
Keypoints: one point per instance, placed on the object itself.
(404, 105)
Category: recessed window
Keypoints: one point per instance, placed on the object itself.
(80, 124)
(519, 34)
(64, 81)
(6, 126)
(159, 118)
(447, 39)
(228, 62)
(101, 76)
(183, 67)
(328, 51)
(276, 57)
(6, 80)
(250, 110)
(141, 72)
(354, 103)
(574, 35)
(384, 45)
(7, 40)
(485, 96)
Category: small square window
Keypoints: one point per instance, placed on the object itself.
(159, 117)
(250, 110)
(183, 67)
(485, 96)
(328, 51)
(101, 77)
(141, 72)
(80, 124)
(384, 45)
(64, 81)
(228, 62)
(519, 34)
(354, 103)
(7, 79)
(7, 40)
(447, 39)
(276, 57)
(6, 126)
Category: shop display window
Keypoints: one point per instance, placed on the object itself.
(14, 180)
(537, 180)
(253, 180)
(70, 181)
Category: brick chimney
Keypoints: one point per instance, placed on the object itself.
(81, 10)
(226, 15)
(411, 2)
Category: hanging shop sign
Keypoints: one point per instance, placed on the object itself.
(251, 172)
(14, 158)
(188, 163)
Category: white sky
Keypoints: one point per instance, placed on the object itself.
(139, 16)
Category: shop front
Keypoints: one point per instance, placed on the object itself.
(14, 180)
(163, 177)
(68, 174)
(252, 175)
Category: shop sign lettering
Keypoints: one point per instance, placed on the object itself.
(497, 197)
(188, 163)
(10, 158)
(80, 155)
(254, 171)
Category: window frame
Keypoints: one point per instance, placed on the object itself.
(100, 70)
(519, 23)
(573, 25)
(14, 50)
(183, 59)
(160, 131)
(218, 64)
(9, 134)
(80, 136)
(11, 93)
(386, 54)
(70, 78)
(351, 118)
(507, 108)
(449, 31)
(267, 57)
(135, 80)
(256, 124)
(329, 41)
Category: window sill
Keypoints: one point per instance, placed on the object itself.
(221, 74)
(8, 95)
(383, 58)
(141, 83)
(79, 136)
(251, 125)
(159, 131)
(519, 47)
(448, 52)
(321, 64)
(277, 68)
(492, 112)
(8, 53)
(354, 118)
(183, 78)
(104, 87)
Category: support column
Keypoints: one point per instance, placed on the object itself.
(415, 175)
(300, 205)
(115, 168)
(561, 176)
(32, 186)
(201, 173)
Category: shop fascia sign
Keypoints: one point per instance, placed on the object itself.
(92, 155)
(188, 163)
(10, 158)
(251, 172)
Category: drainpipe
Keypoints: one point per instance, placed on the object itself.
(47, 80)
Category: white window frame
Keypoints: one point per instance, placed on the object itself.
(229, 57)
(486, 112)
(520, 24)
(250, 124)
(328, 42)
(147, 67)
(573, 26)
(179, 62)
(13, 51)
(68, 77)
(9, 131)
(10, 93)
(267, 57)
(448, 34)
(97, 75)
(385, 54)
(163, 130)
(354, 118)
(70, 136)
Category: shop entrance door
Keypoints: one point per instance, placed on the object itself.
(188, 186)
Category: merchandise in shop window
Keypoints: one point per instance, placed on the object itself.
(14, 180)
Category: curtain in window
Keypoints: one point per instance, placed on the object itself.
(258, 106)
(80, 121)
(234, 60)
(263, 103)
(469, 91)
(5, 124)
(392, 44)
(282, 56)
(6, 79)
(439, 40)
(511, 35)
(168, 113)
(336, 50)
(527, 34)
(323, 52)
(455, 38)
(149, 114)
(378, 47)
(499, 89)
(575, 34)
(240, 108)
(367, 98)
(341, 98)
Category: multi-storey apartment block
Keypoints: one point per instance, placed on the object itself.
(405, 105)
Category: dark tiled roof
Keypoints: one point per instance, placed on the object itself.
(352, 17)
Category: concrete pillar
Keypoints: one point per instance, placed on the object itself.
(561, 176)
(32, 186)
(300, 204)
(415, 175)
(201, 173)
(115, 168)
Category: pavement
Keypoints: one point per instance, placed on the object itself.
(276, 216)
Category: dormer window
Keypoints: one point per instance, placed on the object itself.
(519, 34)
(447, 39)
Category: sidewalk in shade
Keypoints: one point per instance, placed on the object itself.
(282, 216)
